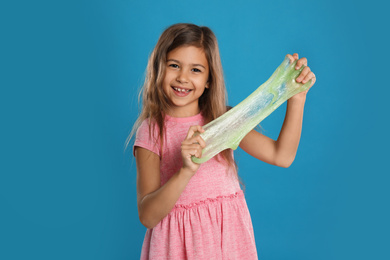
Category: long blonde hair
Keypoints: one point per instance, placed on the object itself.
(155, 103)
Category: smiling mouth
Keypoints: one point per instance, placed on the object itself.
(182, 90)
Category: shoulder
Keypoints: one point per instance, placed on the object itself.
(147, 136)
(147, 126)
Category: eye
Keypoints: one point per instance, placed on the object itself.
(196, 70)
(173, 65)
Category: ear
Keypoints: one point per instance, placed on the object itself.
(207, 85)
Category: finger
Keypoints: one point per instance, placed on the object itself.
(191, 132)
(313, 80)
(192, 150)
(295, 55)
(198, 152)
(300, 62)
(193, 129)
(308, 77)
(200, 129)
(198, 140)
(303, 74)
(190, 154)
(291, 58)
(188, 147)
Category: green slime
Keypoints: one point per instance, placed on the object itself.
(229, 129)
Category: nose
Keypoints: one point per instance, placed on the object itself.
(182, 77)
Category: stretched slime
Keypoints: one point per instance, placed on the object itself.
(229, 129)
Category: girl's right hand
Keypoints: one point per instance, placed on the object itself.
(192, 146)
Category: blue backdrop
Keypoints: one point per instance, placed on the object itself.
(70, 72)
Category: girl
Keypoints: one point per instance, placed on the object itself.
(196, 211)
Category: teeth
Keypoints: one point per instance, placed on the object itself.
(181, 90)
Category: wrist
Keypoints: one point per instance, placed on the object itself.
(187, 172)
(299, 98)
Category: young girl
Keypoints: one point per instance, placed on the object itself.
(196, 211)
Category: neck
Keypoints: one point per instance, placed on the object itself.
(175, 113)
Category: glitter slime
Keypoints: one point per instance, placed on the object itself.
(229, 129)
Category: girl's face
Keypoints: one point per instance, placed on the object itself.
(186, 77)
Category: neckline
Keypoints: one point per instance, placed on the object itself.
(184, 119)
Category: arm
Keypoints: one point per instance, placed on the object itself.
(156, 201)
(282, 152)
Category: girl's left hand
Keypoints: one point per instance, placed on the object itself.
(305, 75)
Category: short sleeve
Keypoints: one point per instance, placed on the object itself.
(144, 140)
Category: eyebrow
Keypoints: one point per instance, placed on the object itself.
(193, 64)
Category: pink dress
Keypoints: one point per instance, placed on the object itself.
(211, 219)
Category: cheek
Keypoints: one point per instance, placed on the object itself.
(203, 81)
(168, 77)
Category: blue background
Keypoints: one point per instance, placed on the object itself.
(70, 72)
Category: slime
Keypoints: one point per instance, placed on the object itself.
(229, 129)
